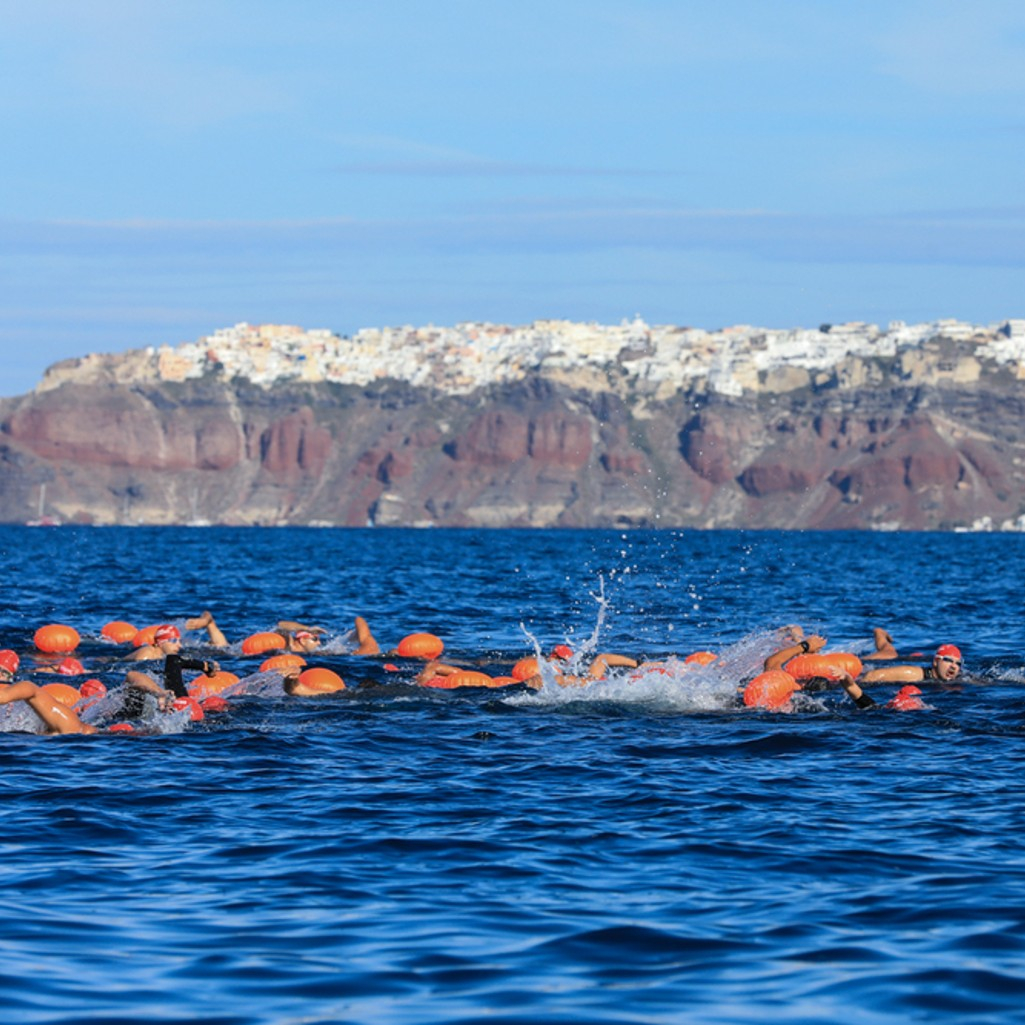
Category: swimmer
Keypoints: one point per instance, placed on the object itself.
(140, 684)
(57, 717)
(945, 668)
(597, 670)
(167, 639)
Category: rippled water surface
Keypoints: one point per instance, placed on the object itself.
(643, 850)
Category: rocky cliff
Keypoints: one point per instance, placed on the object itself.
(924, 439)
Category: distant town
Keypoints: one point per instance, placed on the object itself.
(465, 357)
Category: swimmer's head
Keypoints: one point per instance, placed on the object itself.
(947, 662)
(166, 634)
(907, 699)
(9, 663)
(563, 652)
(306, 640)
(70, 667)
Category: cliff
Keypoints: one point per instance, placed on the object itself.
(924, 435)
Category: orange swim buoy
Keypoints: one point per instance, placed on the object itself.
(525, 668)
(420, 646)
(771, 689)
(827, 665)
(324, 680)
(282, 662)
(257, 644)
(439, 683)
(118, 631)
(121, 727)
(204, 686)
(64, 693)
(147, 635)
(702, 658)
(56, 639)
(468, 678)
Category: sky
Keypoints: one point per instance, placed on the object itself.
(173, 168)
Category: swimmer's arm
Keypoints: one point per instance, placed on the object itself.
(433, 669)
(895, 674)
(884, 645)
(810, 644)
(367, 642)
(147, 653)
(143, 681)
(856, 694)
(205, 666)
(606, 661)
(290, 626)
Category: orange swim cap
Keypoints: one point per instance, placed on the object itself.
(9, 660)
(190, 705)
(70, 667)
(93, 689)
(907, 700)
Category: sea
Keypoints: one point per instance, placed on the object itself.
(645, 849)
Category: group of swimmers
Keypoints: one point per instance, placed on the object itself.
(152, 690)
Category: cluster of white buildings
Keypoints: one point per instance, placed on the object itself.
(464, 357)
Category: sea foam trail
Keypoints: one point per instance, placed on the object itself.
(670, 684)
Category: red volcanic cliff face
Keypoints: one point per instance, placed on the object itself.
(533, 455)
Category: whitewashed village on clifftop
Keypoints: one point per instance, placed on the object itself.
(658, 359)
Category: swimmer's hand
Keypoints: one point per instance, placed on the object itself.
(212, 669)
(165, 699)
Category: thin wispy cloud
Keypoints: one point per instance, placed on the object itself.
(956, 237)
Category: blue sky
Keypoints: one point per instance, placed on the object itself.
(172, 168)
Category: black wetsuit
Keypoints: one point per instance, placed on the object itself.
(135, 698)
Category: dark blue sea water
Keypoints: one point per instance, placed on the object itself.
(643, 850)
